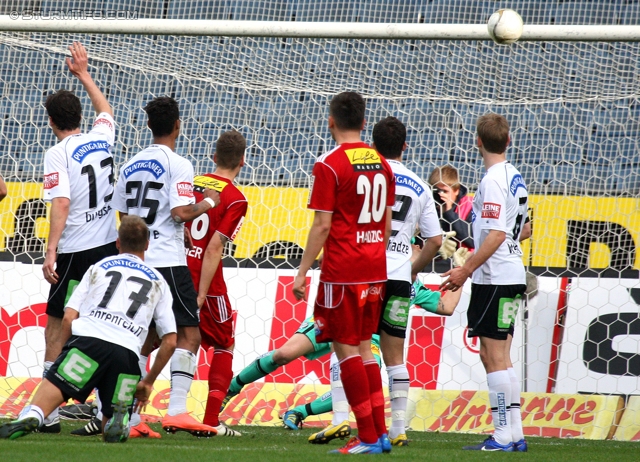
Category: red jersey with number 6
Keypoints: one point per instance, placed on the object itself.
(356, 185)
(226, 218)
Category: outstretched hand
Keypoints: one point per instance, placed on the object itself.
(78, 64)
(143, 391)
(457, 278)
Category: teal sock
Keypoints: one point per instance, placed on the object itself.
(321, 405)
(254, 371)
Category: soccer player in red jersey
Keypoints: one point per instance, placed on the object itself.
(352, 193)
(210, 232)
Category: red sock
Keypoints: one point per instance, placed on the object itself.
(356, 387)
(376, 396)
(220, 375)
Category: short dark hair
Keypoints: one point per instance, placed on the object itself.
(163, 112)
(389, 136)
(65, 109)
(493, 130)
(230, 148)
(133, 234)
(347, 110)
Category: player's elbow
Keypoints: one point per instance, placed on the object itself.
(177, 217)
(448, 310)
(435, 241)
(3, 191)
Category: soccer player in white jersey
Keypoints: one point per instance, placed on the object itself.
(414, 207)
(105, 324)
(157, 184)
(78, 181)
(498, 281)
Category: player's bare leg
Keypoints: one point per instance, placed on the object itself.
(47, 398)
(298, 345)
(393, 355)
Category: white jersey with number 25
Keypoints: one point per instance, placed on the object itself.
(152, 183)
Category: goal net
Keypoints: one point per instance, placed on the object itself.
(575, 125)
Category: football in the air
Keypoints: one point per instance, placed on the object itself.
(505, 26)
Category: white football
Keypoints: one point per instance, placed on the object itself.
(505, 26)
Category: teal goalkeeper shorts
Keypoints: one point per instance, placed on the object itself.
(307, 328)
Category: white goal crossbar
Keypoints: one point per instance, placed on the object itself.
(611, 33)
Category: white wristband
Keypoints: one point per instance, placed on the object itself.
(209, 201)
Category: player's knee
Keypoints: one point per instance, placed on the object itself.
(189, 338)
(282, 356)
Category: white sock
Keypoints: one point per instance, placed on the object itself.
(98, 405)
(399, 394)
(340, 403)
(142, 363)
(53, 417)
(183, 367)
(500, 400)
(32, 411)
(516, 416)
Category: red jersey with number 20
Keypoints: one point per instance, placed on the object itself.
(356, 185)
(226, 218)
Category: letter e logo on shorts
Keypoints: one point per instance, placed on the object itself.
(77, 368)
(125, 388)
(508, 311)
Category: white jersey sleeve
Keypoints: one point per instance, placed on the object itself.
(181, 188)
(493, 214)
(429, 222)
(56, 175)
(106, 126)
(163, 314)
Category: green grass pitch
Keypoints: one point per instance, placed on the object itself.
(259, 444)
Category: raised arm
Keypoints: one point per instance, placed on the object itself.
(79, 66)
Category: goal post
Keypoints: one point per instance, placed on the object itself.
(323, 30)
(570, 93)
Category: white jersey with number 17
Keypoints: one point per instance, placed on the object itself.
(414, 206)
(80, 168)
(152, 183)
(500, 204)
(117, 299)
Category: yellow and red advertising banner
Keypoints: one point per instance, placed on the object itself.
(280, 215)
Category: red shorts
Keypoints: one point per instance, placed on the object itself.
(217, 322)
(347, 313)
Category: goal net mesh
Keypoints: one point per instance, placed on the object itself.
(573, 109)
